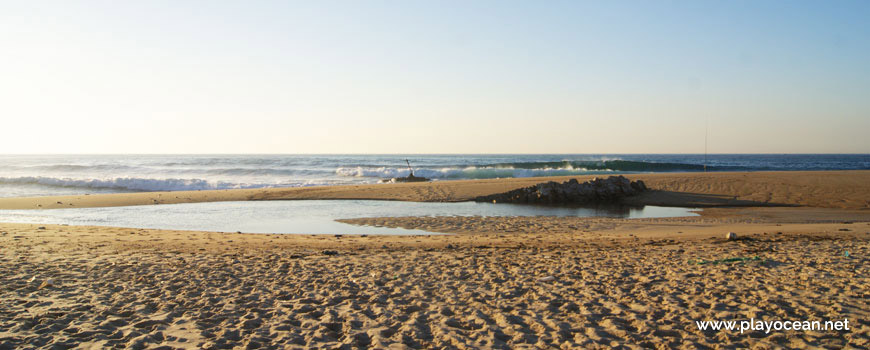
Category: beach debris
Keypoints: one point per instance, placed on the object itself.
(329, 252)
(547, 279)
(730, 236)
(47, 283)
(609, 190)
(337, 236)
(41, 228)
(32, 279)
(846, 254)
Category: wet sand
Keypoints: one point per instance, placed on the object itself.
(511, 283)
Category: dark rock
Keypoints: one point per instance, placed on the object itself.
(409, 178)
(329, 252)
(610, 190)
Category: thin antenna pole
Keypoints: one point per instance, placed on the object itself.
(409, 167)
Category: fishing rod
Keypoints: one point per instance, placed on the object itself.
(409, 167)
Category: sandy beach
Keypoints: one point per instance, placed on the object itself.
(434, 175)
(801, 254)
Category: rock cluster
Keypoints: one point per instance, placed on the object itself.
(609, 190)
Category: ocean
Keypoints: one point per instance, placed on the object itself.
(42, 175)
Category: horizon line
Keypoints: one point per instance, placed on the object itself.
(416, 154)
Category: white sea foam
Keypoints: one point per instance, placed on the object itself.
(461, 173)
(149, 184)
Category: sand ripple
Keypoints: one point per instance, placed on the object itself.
(639, 295)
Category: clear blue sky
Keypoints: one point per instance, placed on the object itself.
(434, 76)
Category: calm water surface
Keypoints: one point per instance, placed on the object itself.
(304, 216)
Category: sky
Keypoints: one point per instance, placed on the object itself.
(434, 76)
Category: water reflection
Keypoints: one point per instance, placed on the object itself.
(305, 216)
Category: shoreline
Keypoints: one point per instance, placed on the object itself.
(825, 189)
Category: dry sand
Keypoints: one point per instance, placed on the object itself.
(615, 282)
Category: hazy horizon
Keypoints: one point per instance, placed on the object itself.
(411, 154)
(344, 77)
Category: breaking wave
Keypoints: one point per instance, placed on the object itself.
(461, 173)
(146, 184)
(529, 169)
(615, 165)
